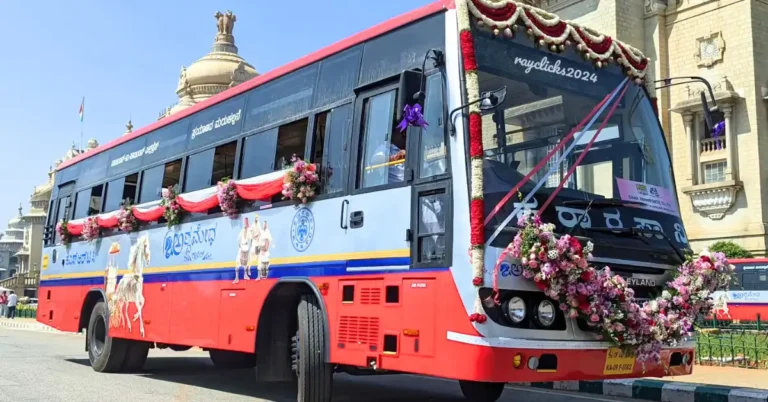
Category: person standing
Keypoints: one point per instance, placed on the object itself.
(13, 299)
(3, 303)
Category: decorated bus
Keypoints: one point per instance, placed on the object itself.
(747, 299)
(476, 190)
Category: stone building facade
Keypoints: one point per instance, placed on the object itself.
(719, 180)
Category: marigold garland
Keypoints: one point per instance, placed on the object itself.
(126, 221)
(172, 213)
(228, 198)
(301, 181)
(63, 232)
(91, 228)
(559, 266)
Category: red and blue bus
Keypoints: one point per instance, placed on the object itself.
(747, 298)
(389, 267)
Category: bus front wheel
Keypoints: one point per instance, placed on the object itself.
(105, 353)
(475, 391)
(315, 376)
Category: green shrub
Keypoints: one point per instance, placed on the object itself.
(730, 249)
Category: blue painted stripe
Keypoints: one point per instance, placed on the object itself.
(221, 274)
(379, 262)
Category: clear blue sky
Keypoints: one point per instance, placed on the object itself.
(125, 57)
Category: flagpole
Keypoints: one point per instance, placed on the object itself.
(82, 113)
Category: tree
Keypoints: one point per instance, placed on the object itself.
(730, 249)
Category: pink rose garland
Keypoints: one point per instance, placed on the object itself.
(228, 198)
(301, 181)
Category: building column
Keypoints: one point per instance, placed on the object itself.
(730, 144)
(698, 133)
(692, 149)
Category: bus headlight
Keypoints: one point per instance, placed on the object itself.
(546, 313)
(514, 310)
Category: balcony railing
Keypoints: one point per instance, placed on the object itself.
(21, 281)
(712, 144)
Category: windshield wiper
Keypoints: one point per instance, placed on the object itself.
(639, 233)
(604, 203)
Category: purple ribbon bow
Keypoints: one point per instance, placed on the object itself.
(717, 131)
(412, 116)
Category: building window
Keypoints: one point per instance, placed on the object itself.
(714, 172)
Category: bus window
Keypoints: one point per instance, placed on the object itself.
(382, 147)
(155, 179)
(257, 156)
(88, 202)
(197, 175)
(119, 190)
(432, 155)
(224, 162)
(330, 145)
(291, 140)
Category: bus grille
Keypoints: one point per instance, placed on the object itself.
(370, 296)
(359, 331)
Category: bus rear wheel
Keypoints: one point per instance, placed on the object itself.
(227, 359)
(481, 391)
(315, 376)
(105, 353)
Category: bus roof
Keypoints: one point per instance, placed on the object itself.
(337, 47)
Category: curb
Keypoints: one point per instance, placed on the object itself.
(654, 390)
(29, 326)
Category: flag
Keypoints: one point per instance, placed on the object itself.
(82, 109)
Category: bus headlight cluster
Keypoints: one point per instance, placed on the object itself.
(514, 310)
(546, 313)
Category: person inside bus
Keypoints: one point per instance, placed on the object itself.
(392, 153)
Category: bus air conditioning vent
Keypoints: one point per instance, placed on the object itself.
(360, 331)
(370, 296)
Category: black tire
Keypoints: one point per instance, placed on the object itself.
(227, 359)
(105, 353)
(481, 391)
(315, 376)
(135, 356)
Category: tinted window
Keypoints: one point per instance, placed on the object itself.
(88, 202)
(258, 154)
(115, 190)
(217, 123)
(382, 147)
(335, 164)
(403, 49)
(338, 77)
(157, 178)
(166, 143)
(291, 140)
(281, 99)
(432, 150)
(198, 171)
(224, 162)
(93, 170)
(67, 174)
(127, 157)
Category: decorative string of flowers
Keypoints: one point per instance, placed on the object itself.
(63, 232)
(125, 219)
(559, 266)
(91, 228)
(228, 198)
(172, 212)
(301, 181)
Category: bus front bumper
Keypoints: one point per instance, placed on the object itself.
(522, 360)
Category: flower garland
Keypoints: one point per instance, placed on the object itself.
(301, 181)
(91, 228)
(228, 198)
(172, 213)
(63, 231)
(548, 30)
(126, 221)
(560, 268)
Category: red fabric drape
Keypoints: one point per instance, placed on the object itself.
(108, 222)
(260, 191)
(75, 229)
(149, 215)
(198, 206)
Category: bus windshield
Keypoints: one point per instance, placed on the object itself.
(548, 95)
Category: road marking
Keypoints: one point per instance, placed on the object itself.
(590, 397)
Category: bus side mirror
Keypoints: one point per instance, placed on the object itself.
(492, 99)
(714, 119)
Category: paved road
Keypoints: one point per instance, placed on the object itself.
(53, 367)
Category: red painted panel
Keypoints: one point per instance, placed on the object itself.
(195, 314)
(236, 329)
(419, 312)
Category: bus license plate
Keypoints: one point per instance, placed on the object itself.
(619, 362)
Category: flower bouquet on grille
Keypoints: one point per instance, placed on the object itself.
(301, 181)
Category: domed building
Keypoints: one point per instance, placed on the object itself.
(218, 70)
(11, 243)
